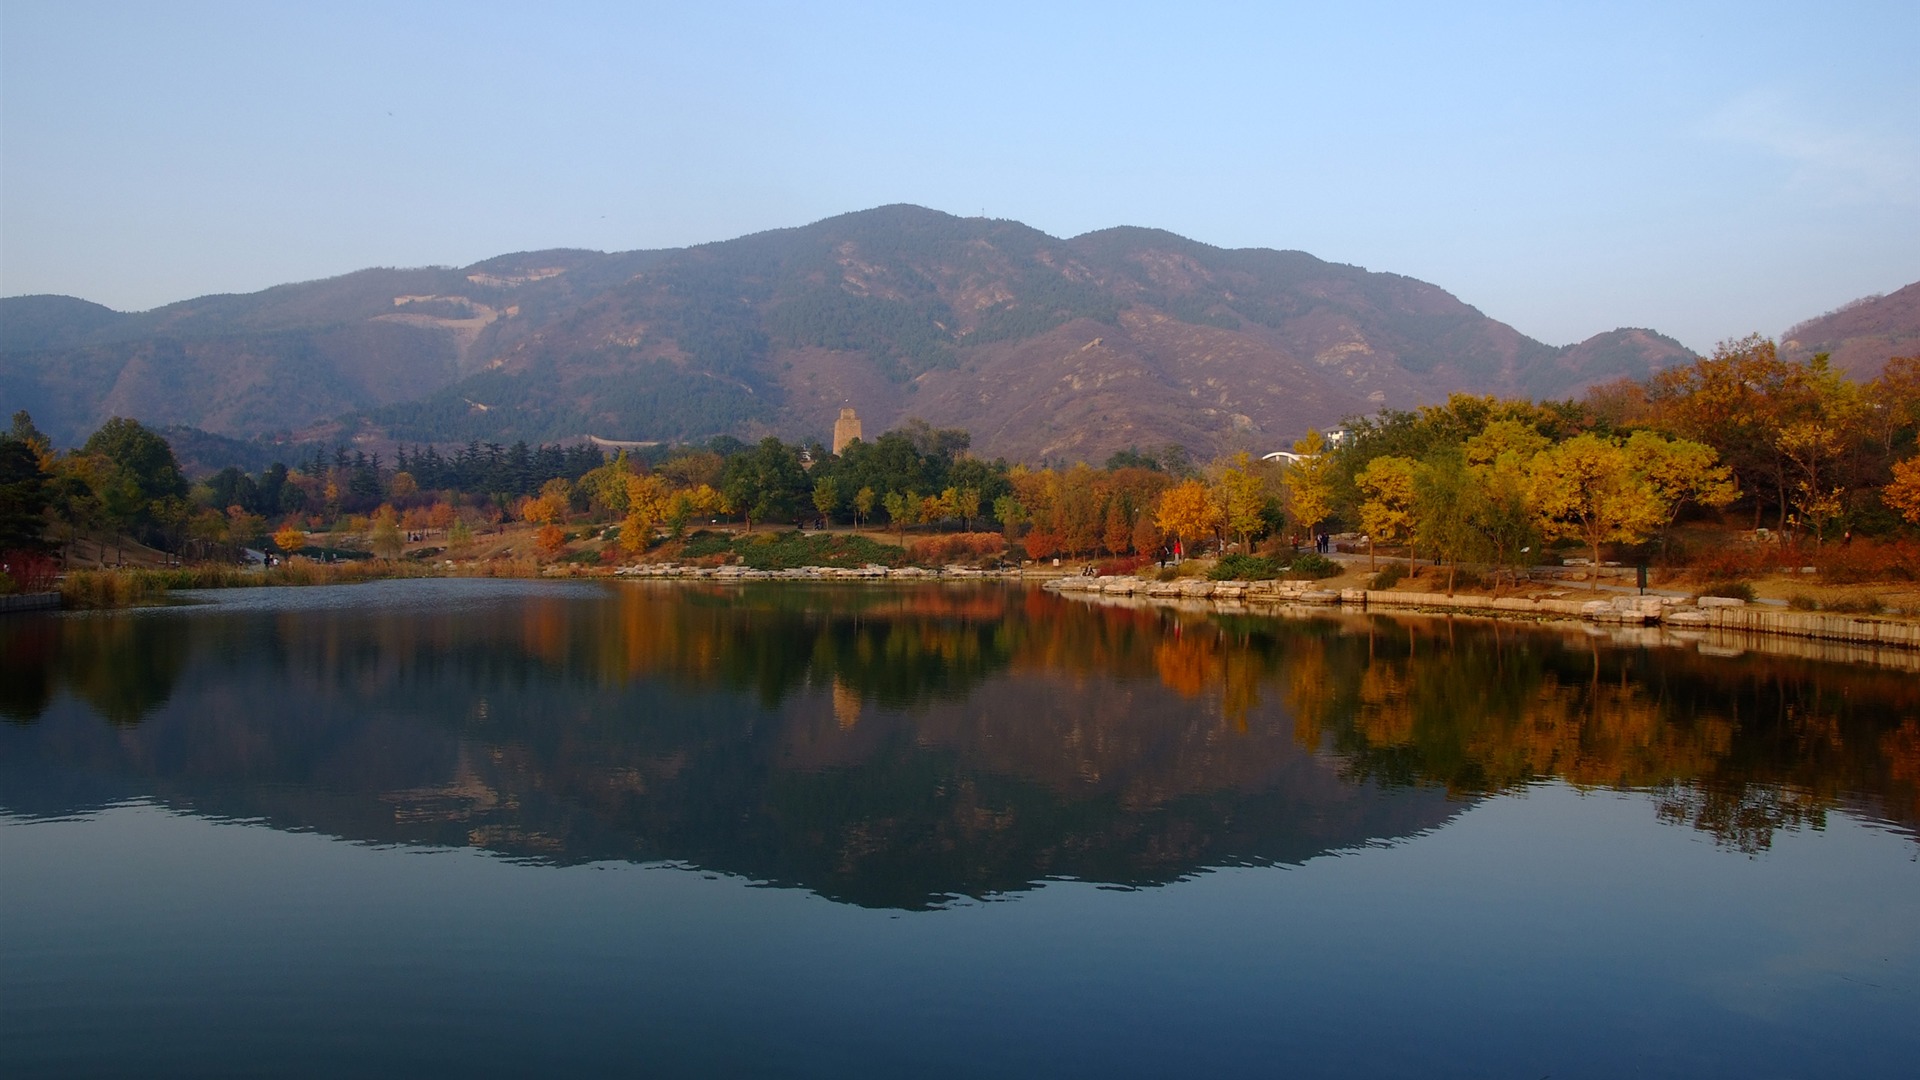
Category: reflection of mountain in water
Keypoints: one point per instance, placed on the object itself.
(893, 747)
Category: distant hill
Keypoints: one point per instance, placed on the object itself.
(1861, 336)
(1044, 348)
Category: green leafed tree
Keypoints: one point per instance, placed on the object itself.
(25, 496)
(826, 498)
(1447, 499)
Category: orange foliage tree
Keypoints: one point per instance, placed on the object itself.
(1187, 511)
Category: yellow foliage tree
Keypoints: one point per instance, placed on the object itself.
(386, 538)
(1187, 511)
(1586, 488)
(606, 486)
(1681, 472)
(1505, 440)
(290, 538)
(1241, 494)
(645, 498)
(1387, 512)
(968, 503)
(1813, 449)
(1310, 482)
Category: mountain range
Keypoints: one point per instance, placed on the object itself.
(1859, 337)
(1043, 348)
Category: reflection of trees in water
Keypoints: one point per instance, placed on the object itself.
(1737, 748)
(124, 666)
(885, 744)
(885, 752)
(1741, 815)
(1901, 747)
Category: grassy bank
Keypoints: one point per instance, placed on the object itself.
(788, 550)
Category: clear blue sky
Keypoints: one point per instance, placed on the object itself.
(1704, 169)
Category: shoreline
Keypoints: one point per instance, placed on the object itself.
(1708, 614)
(1728, 621)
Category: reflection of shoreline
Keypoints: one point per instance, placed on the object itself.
(876, 743)
(1708, 641)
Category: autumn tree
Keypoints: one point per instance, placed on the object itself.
(539, 510)
(1892, 405)
(693, 469)
(558, 491)
(1813, 449)
(290, 538)
(939, 508)
(1147, 536)
(1741, 401)
(606, 486)
(1078, 514)
(1508, 441)
(1240, 492)
(900, 506)
(1187, 511)
(1681, 472)
(1500, 459)
(243, 527)
(1012, 515)
(968, 504)
(648, 501)
(1310, 482)
(1118, 535)
(1586, 488)
(1387, 512)
(385, 536)
(1903, 494)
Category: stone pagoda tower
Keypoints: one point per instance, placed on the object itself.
(845, 430)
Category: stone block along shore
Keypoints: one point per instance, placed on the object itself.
(1705, 613)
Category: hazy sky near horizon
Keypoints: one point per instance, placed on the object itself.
(1707, 170)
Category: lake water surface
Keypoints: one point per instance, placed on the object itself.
(478, 828)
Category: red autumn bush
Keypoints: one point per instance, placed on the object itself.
(1868, 560)
(956, 547)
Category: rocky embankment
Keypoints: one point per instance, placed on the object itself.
(1680, 613)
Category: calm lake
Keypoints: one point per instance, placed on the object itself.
(477, 828)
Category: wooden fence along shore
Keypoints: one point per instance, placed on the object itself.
(1704, 614)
